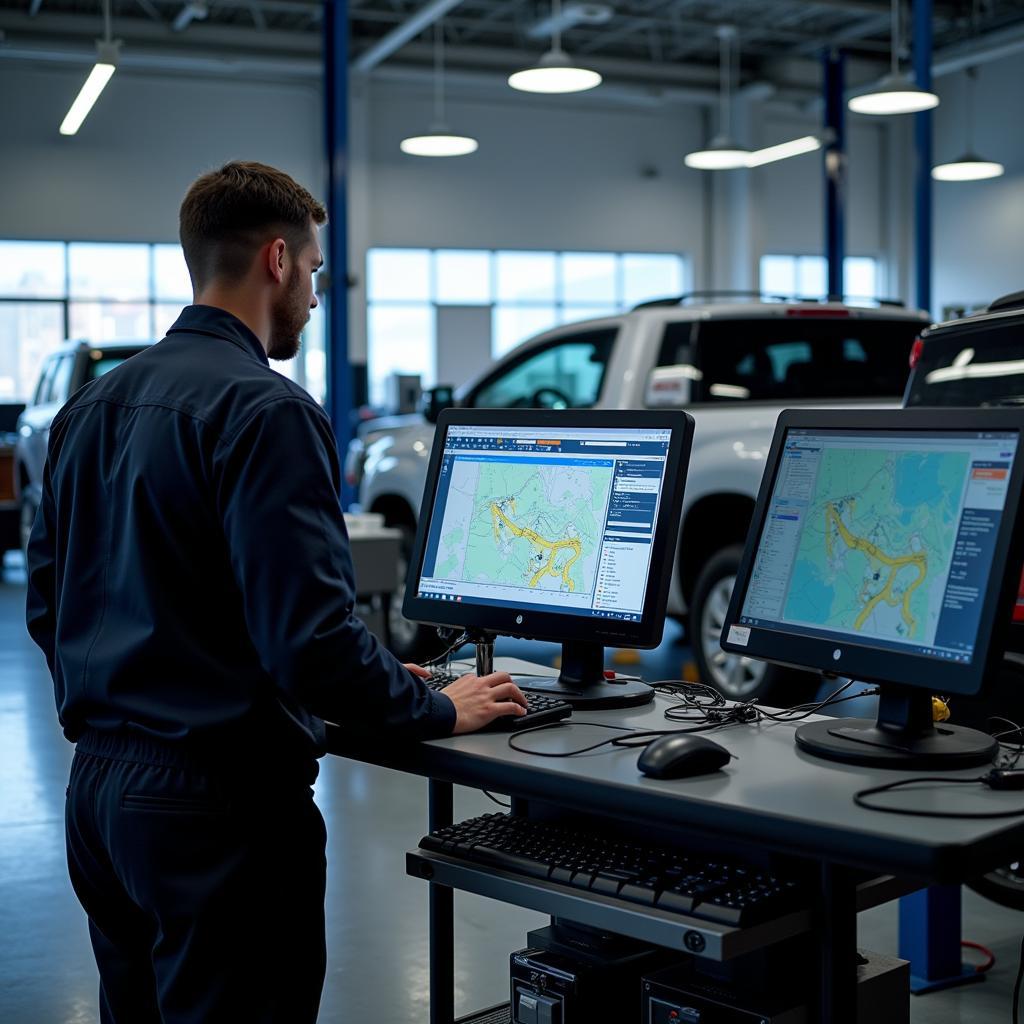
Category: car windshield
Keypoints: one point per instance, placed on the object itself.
(803, 357)
(979, 367)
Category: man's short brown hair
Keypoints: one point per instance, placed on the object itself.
(228, 214)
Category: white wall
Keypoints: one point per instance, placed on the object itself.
(123, 176)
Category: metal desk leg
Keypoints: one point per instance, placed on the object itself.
(930, 940)
(838, 936)
(442, 918)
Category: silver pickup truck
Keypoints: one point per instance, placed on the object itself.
(733, 366)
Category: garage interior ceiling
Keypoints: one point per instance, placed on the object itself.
(665, 49)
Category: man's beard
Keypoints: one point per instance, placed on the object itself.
(287, 324)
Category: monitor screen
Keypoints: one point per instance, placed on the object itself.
(551, 520)
(552, 524)
(883, 538)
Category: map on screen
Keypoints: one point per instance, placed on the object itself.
(878, 539)
(513, 523)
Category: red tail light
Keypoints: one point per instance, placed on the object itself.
(916, 351)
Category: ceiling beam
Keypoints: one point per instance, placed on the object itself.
(399, 36)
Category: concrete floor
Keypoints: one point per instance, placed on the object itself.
(377, 940)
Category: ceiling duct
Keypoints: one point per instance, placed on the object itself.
(572, 14)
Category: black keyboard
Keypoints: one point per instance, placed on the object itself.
(720, 890)
(540, 709)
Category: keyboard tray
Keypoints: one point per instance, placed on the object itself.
(697, 936)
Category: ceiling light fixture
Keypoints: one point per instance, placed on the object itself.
(722, 152)
(970, 166)
(440, 140)
(555, 72)
(784, 150)
(107, 53)
(895, 93)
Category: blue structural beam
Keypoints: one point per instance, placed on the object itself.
(930, 940)
(835, 169)
(923, 151)
(339, 369)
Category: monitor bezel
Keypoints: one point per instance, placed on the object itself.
(860, 660)
(554, 626)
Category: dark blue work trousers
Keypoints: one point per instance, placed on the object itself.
(204, 887)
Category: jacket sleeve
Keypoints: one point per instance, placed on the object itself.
(41, 567)
(277, 489)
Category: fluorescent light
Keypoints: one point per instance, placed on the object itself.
(974, 371)
(722, 154)
(895, 94)
(968, 168)
(87, 96)
(554, 73)
(784, 150)
(438, 143)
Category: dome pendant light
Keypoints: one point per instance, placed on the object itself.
(440, 140)
(969, 167)
(895, 93)
(555, 72)
(722, 152)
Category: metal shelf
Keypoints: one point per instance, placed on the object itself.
(706, 939)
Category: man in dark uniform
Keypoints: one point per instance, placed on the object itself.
(191, 587)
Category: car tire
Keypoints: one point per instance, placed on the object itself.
(410, 641)
(735, 676)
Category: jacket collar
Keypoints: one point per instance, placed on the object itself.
(219, 323)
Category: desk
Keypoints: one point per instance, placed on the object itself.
(772, 797)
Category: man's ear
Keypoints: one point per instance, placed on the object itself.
(275, 259)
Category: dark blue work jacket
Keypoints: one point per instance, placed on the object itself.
(189, 568)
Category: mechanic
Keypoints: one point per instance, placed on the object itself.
(191, 587)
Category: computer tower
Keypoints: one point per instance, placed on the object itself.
(568, 975)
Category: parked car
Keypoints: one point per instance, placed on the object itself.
(9, 516)
(71, 367)
(734, 366)
(979, 361)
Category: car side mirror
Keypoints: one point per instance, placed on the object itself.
(434, 400)
(670, 386)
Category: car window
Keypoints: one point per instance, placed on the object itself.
(42, 395)
(677, 344)
(60, 386)
(978, 367)
(103, 362)
(565, 374)
(803, 357)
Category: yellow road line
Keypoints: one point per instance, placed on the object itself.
(555, 546)
(895, 563)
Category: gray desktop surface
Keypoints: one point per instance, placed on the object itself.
(771, 795)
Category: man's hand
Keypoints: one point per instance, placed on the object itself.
(418, 670)
(479, 700)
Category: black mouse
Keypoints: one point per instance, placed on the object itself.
(679, 756)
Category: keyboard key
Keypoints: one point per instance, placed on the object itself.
(677, 901)
(639, 892)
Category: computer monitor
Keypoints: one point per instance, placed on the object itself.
(554, 525)
(886, 546)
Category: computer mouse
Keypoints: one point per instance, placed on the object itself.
(680, 756)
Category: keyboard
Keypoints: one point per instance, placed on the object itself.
(540, 709)
(725, 891)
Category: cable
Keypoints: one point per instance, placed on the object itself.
(446, 655)
(990, 957)
(991, 779)
(491, 796)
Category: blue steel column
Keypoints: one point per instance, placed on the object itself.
(339, 370)
(835, 169)
(923, 152)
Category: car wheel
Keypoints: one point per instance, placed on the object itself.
(28, 517)
(735, 675)
(410, 641)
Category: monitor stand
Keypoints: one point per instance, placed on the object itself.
(903, 736)
(582, 681)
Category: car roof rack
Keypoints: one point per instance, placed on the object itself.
(679, 300)
(1015, 300)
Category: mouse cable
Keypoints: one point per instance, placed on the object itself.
(635, 737)
(997, 779)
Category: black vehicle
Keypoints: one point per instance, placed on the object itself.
(65, 371)
(979, 361)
